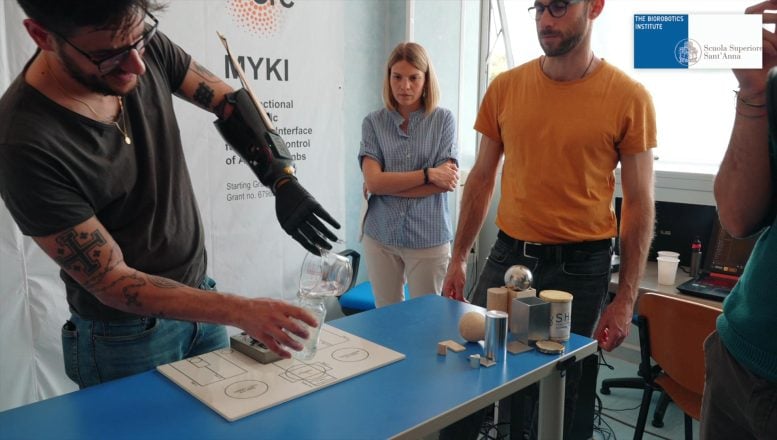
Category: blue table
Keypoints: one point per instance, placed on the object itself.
(407, 399)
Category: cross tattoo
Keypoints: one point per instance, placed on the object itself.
(78, 258)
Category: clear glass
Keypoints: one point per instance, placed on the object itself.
(326, 275)
(317, 308)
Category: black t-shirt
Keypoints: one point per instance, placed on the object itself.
(58, 169)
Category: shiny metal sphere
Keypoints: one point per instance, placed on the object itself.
(518, 277)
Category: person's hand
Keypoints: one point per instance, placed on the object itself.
(752, 82)
(453, 285)
(614, 324)
(298, 213)
(445, 176)
(271, 321)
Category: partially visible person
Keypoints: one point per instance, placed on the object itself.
(563, 123)
(409, 159)
(740, 391)
(92, 168)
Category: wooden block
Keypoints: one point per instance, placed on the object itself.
(496, 299)
(442, 348)
(516, 347)
(525, 293)
(486, 362)
(453, 345)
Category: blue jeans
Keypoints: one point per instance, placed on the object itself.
(99, 351)
(583, 273)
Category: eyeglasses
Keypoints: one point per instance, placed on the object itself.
(108, 63)
(556, 8)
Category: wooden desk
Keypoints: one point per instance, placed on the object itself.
(649, 283)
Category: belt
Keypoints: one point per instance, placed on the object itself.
(557, 252)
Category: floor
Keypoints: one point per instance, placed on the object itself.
(620, 408)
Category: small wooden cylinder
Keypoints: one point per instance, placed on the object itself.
(497, 299)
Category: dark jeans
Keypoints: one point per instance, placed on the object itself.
(586, 275)
(99, 351)
(736, 404)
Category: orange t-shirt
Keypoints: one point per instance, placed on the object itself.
(562, 142)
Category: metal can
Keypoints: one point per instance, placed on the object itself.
(496, 335)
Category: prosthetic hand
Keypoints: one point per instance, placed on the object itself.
(266, 153)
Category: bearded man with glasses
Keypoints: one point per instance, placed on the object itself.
(563, 122)
(92, 168)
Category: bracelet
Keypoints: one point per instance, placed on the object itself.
(426, 175)
(748, 103)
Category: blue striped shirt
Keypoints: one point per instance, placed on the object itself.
(420, 222)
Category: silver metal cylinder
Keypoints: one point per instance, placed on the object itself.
(496, 335)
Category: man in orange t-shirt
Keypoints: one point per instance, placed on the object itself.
(563, 122)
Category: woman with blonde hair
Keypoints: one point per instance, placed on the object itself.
(409, 159)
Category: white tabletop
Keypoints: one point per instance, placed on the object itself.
(649, 283)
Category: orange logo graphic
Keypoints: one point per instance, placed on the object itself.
(262, 18)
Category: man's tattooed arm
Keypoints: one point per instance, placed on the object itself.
(90, 256)
(202, 87)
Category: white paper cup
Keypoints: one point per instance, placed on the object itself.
(667, 270)
(670, 254)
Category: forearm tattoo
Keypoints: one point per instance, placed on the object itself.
(87, 257)
(130, 289)
(163, 283)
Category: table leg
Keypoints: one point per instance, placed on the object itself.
(551, 417)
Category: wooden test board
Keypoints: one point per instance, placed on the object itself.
(235, 385)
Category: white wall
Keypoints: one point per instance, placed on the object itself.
(680, 187)
(31, 365)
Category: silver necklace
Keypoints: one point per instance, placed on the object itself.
(124, 132)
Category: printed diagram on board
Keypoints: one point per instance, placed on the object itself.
(235, 385)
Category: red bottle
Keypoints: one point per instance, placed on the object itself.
(695, 257)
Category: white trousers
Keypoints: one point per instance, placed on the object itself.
(389, 267)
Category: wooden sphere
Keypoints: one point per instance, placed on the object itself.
(473, 326)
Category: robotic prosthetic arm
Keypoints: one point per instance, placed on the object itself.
(263, 150)
(266, 153)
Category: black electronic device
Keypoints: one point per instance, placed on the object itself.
(725, 258)
(677, 225)
(253, 348)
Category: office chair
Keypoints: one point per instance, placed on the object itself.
(358, 298)
(361, 298)
(674, 330)
(638, 383)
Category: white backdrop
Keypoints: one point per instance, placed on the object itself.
(293, 57)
